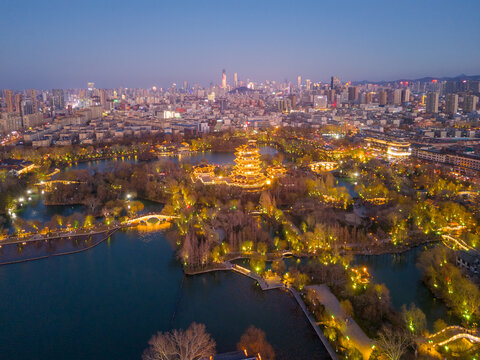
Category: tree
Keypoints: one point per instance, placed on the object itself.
(439, 325)
(279, 267)
(192, 344)
(254, 341)
(392, 344)
(415, 320)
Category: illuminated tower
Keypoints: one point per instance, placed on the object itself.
(235, 80)
(299, 81)
(224, 79)
(248, 172)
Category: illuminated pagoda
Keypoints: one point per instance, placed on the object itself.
(248, 172)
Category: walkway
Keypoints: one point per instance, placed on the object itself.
(452, 333)
(361, 341)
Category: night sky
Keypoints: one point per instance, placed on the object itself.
(64, 44)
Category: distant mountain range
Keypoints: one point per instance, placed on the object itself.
(460, 77)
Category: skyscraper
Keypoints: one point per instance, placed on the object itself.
(470, 103)
(18, 103)
(309, 83)
(299, 81)
(382, 97)
(320, 102)
(432, 103)
(235, 80)
(58, 101)
(405, 96)
(9, 100)
(33, 97)
(334, 82)
(352, 93)
(224, 79)
(451, 104)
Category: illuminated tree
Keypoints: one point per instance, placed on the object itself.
(254, 341)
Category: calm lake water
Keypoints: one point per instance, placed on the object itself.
(404, 280)
(106, 302)
(218, 158)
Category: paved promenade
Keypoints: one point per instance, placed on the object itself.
(361, 341)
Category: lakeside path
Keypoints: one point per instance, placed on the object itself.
(106, 234)
(353, 331)
(267, 284)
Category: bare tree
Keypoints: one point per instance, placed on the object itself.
(192, 344)
(393, 344)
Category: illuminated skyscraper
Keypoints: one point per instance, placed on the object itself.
(432, 103)
(309, 84)
(299, 81)
(235, 80)
(9, 100)
(224, 79)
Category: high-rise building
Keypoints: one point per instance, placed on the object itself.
(331, 96)
(382, 97)
(432, 103)
(299, 81)
(320, 102)
(309, 84)
(9, 100)
(58, 100)
(235, 80)
(27, 107)
(470, 103)
(352, 93)
(405, 96)
(394, 97)
(224, 79)
(33, 97)
(451, 104)
(293, 100)
(18, 103)
(103, 98)
(334, 82)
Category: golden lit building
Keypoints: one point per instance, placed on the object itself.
(248, 171)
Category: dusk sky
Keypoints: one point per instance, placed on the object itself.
(64, 44)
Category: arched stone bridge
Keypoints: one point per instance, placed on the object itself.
(323, 166)
(144, 219)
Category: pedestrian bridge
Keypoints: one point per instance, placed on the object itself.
(452, 333)
(322, 166)
(146, 219)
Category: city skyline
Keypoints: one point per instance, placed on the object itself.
(58, 45)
